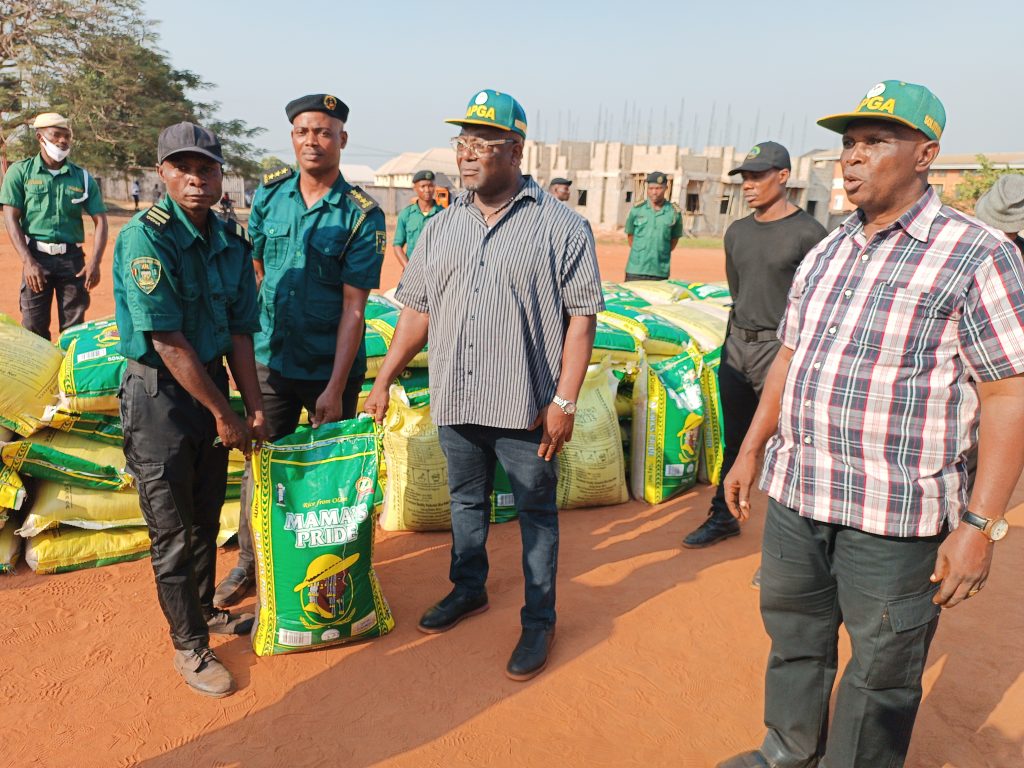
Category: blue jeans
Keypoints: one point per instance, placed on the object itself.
(471, 452)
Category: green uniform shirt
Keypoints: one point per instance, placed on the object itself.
(169, 277)
(411, 221)
(49, 211)
(305, 270)
(653, 232)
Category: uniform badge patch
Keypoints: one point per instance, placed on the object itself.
(146, 272)
(381, 242)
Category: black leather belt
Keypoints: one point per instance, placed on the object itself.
(752, 336)
(213, 368)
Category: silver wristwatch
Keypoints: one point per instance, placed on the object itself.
(568, 406)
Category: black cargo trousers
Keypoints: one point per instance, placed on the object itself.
(181, 477)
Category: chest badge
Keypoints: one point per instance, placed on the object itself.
(146, 272)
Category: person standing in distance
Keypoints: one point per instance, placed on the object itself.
(559, 189)
(43, 198)
(414, 217)
(653, 228)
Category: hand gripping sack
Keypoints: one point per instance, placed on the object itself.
(313, 521)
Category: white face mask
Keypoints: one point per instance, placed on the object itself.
(53, 151)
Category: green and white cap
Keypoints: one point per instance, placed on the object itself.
(905, 103)
(496, 109)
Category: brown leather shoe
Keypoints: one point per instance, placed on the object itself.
(204, 673)
(222, 622)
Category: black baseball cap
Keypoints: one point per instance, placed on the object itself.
(188, 137)
(764, 157)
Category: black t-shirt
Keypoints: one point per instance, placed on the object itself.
(760, 260)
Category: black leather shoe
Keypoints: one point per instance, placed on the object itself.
(712, 531)
(531, 654)
(233, 587)
(752, 759)
(450, 611)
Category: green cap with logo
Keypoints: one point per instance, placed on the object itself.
(901, 102)
(496, 109)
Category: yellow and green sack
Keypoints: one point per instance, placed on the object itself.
(503, 501)
(10, 549)
(29, 367)
(380, 330)
(591, 468)
(313, 520)
(90, 375)
(615, 346)
(667, 417)
(56, 503)
(12, 491)
(713, 426)
(101, 427)
(70, 549)
(658, 335)
(704, 321)
(715, 292)
(63, 457)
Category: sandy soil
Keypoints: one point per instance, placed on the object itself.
(659, 660)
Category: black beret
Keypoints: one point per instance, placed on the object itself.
(317, 102)
(656, 177)
(423, 176)
(560, 180)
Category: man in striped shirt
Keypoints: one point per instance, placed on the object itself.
(506, 287)
(903, 337)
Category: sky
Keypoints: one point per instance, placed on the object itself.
(735, 72)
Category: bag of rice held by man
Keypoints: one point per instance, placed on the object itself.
(59, 550)
(592, 471)
(90, 375)
(313, 522)
(713, 427)
(416, 492)
(63, 457)
(29, 366)
(56, 504)
(666, 429)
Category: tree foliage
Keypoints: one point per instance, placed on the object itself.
(97, 62)
(976, 183)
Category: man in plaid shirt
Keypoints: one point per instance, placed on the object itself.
(903, 338)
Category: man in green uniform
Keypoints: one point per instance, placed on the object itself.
(185, 296)
(43, 198)
(653, 228)
(414, 217)
(318, 245)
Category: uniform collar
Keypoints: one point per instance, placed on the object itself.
(916, 221)
(186, 233)
(38, 166)
(333, 196)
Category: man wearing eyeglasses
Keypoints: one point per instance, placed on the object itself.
(43, 198)
(318, 245)
(505, 261)
(185, 297)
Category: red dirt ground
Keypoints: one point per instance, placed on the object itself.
(659, 660)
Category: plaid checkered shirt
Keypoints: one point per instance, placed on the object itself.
(890, 336)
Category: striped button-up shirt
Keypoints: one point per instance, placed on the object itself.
(890, 336)
(499, 300)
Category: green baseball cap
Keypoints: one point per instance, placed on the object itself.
(496, 109)
(906, 103)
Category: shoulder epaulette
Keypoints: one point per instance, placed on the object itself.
(638, 205)
(156, 218)
(277, 175)
(363, 201)
(238, 231)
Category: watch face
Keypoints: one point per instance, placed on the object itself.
(999, 529)
(569, 408)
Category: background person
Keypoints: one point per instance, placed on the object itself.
(414, 217)
(653, 228)
(43, 198)
(559, 189)
(1002, 207)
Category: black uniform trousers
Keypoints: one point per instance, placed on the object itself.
(181, 476)
(283, 401)
(741, 375)
(72, 298)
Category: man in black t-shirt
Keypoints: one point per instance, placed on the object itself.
(762, 252)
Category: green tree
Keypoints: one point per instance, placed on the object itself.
(975, 184)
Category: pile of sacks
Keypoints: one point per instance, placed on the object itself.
(64, 489)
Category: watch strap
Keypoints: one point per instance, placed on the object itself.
(977, 521)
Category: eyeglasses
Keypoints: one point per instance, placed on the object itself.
(467, 145)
